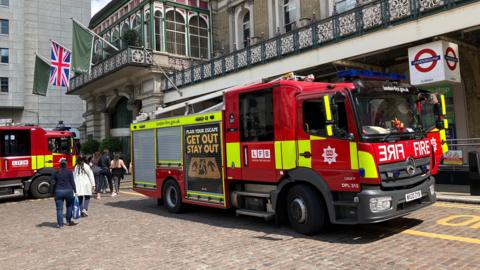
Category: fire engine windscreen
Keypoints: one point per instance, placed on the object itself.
(387, 109)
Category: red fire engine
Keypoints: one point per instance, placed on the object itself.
(304, 152)
(29, 156)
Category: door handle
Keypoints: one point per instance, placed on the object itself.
(245, 156)
(306, 154)
(49, 161)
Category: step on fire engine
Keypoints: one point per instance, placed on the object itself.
(29, 155)
(309, 153)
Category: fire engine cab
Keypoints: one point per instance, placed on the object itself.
(29, 156)
(309, 153)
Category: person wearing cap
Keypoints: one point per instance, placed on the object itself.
(64, 190)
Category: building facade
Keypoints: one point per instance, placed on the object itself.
(171, 36)
(26, 29)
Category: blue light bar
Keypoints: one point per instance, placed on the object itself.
(372, 75)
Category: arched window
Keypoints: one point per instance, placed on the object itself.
(98, 51)
(121, 116)
(136, 23)
(175, 32)
(158, 30)
(147, 30)
(246, 29)
(198, 37)
(116, 37)
(125, 28)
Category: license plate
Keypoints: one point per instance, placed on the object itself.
(413, 196)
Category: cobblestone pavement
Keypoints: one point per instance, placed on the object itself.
(131, 232)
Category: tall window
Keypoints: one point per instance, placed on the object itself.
(147, 30)
(158, 30)
(198, 37)
(124, 31)
(4, 29)
(136, 24)
(288, 14)
(4, 55)
(116, 38)
(5, 3)
(98, 51)
(246, 29)
(175, 32)
(4, 85)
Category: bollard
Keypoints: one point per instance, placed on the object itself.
(474, 175)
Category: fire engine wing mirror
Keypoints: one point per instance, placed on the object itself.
(328, 115)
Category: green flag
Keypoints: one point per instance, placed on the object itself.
(82, 49)
(41, 76)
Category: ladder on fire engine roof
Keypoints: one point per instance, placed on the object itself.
(218, 93)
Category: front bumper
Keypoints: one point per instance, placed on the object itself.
(399, 205)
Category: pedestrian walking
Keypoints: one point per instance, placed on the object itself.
(99, 179)
(85, 184)
(64, 190)
(118, 169)
(104, 164)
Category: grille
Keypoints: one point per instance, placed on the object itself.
(401, 178)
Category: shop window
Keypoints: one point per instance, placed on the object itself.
(256, 116)
(15, 143)
(175, 32)
(158, 30)
(198, 37)
(62, 145)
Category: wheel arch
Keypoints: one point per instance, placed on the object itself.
(305, 176)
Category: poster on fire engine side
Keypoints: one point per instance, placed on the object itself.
(203, 158)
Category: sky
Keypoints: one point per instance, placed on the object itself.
(97, 5)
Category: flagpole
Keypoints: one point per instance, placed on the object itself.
(65, 47)
(95, 34)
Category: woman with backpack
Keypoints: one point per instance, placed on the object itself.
(85, 184)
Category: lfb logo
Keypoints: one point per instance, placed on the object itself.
(20, 163)
(261, 153)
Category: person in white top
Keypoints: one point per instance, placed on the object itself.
(85, 183)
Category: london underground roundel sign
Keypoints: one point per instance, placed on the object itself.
(425, 60)
(451, 58)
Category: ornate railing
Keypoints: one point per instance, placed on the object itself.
(127, 56)
(369, 17)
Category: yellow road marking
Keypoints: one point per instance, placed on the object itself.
(133, 193)
(456, 205)
(443, 236)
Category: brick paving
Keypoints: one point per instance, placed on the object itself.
(131, 232)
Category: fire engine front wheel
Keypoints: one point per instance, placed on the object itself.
(40, 187)
(172, 198)
(305, 209)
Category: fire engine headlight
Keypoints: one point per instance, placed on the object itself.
(432, 189)
(380, 204)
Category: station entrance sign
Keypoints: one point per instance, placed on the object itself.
(434, 62)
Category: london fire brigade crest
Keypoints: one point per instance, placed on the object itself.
(329, 155)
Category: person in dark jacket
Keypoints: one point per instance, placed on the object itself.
(104, 164)
(64, 190)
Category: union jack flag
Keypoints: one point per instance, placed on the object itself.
(60, 65)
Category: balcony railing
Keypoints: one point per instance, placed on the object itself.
(128, 56)
(363, 19)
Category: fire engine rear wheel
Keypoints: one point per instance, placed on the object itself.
(172, 198)
(305, 209)
(40, 187)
